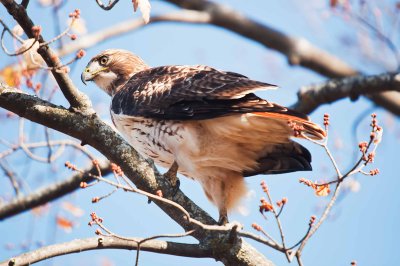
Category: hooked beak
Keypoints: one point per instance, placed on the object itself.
(83, 78)
(89, 75)
(86, 75)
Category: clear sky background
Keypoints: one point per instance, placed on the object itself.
(363, 226)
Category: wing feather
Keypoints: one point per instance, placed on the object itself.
(192, 93)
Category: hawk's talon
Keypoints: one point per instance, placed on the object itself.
(223, 219)
(171, 177)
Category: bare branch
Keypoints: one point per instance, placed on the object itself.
(314, 228)
(311, 97)
(61, 143)
(47, 194)
(6, 28)
(3, 46)
(11, 176)
(375, 138)
(77, 99)
(389, 43)
(104, 242)
(262, 240)
(85, 42)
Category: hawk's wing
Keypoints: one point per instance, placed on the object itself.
(193, 93)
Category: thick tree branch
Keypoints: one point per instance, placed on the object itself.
(310, 97)
(104, 242)
(390, 100)
(49, 193)
(77, 99)
(91, 130)
(298, 51)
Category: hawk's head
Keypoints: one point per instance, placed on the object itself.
(112, 68)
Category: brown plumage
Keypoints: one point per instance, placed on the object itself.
(207, 121)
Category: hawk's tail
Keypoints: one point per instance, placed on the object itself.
(283, 158)
(310, 129)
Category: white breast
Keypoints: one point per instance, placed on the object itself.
(155, 139)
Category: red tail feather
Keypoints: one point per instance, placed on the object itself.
(311, 129)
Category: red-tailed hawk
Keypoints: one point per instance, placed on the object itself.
(206, 121)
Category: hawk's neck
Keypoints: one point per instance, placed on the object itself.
(123, 76)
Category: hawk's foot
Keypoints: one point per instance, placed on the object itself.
(223, 217)
(171, 177)
(223, 220)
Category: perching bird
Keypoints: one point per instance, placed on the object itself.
(204, 121)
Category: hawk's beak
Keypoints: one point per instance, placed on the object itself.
(89, 75)
(86, 75)
(83, 78)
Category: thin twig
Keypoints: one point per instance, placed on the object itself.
(159, 236)
(268, 235)
(19, 52)
(302, 239)
(49, 150)
(142, 192)
(26, 147)
(280, 210)
(62, 34)
(389, 43)
(299, 261)
(356, 168)
(262, 240)
(324, 144)
(13, 179)
(48, 193)
(278, 222)
(110, 5)
(15, 36)
(185, 213)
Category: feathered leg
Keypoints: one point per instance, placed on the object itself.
(225, 191)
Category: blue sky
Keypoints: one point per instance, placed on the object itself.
(363, 225)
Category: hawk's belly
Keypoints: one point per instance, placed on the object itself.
(155, 139)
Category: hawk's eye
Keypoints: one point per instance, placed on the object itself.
(103, 60)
